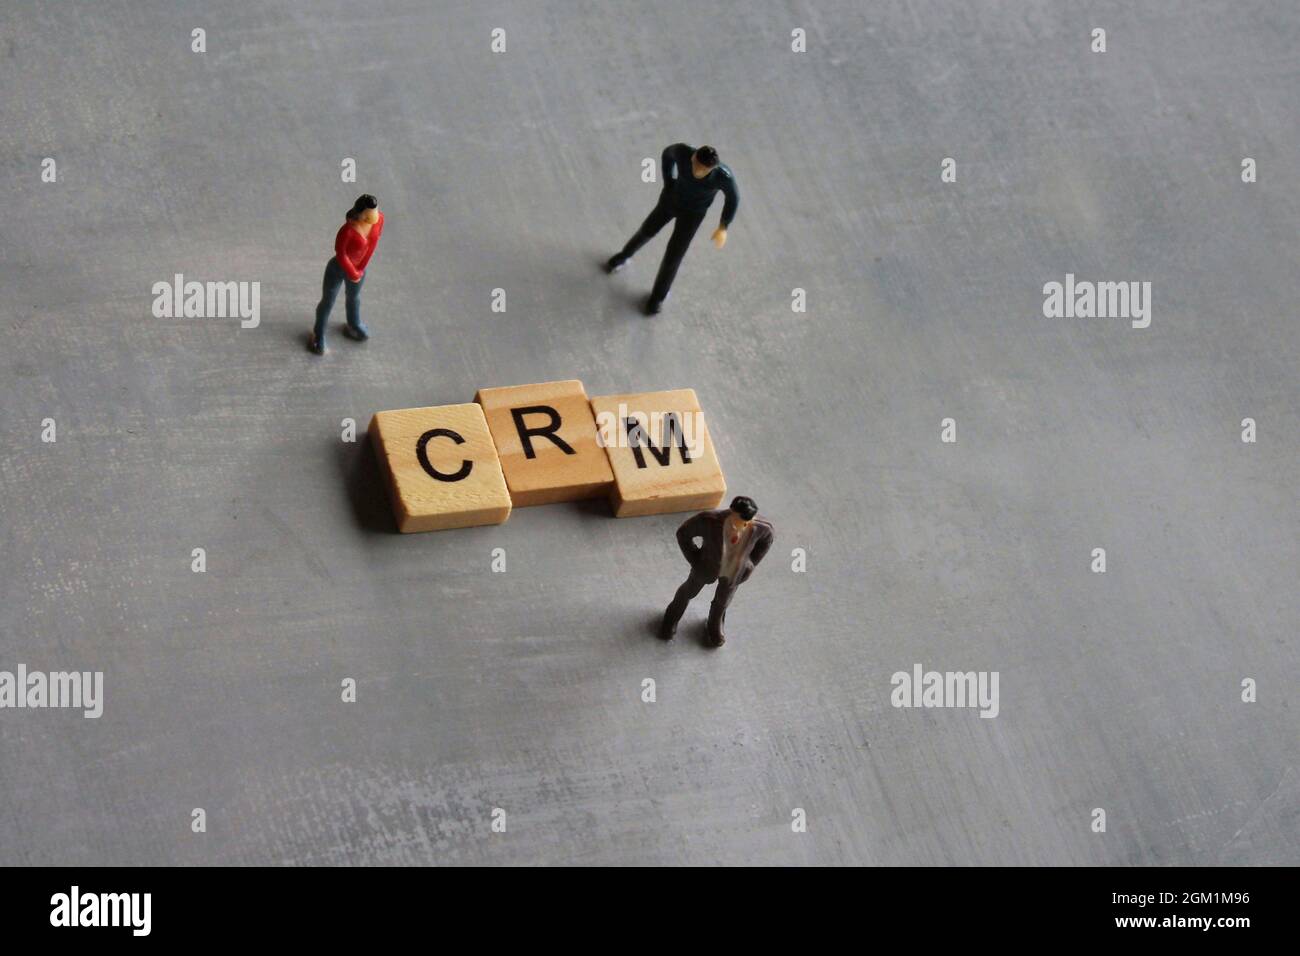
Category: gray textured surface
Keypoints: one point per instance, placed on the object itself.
(521, 690)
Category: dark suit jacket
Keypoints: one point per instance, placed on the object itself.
(706, 559)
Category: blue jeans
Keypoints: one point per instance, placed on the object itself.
(335, 277)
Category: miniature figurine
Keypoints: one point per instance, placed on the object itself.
(691, 178)
(353, 246)
(734, 542)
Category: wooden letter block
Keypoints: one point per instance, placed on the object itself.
(660, 451)
(546, 438)
(442, 468)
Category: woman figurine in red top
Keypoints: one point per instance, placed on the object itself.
(353, 247)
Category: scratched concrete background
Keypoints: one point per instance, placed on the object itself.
(521, 690)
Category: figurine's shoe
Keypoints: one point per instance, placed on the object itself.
(615, 263)
(653, 306)
(715, 640)
(357, 333)
(316, 346)
(667, 631)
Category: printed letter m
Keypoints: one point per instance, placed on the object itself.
(672, 434)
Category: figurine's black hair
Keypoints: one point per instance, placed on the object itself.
(364, 201)
(744, 507)
(707, 156)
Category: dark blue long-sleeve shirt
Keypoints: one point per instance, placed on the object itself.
(689, 194)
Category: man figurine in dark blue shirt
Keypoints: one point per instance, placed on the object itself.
(691, 178)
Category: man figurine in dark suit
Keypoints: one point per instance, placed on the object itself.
(733, 542)
(692, 177)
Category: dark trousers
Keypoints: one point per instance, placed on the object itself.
(722, 596)
(678, 243)
(335, 277)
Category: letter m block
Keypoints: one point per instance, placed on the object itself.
(660, 452)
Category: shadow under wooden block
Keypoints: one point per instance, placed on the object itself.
(660, 452)
(546, 439)
(441, 466)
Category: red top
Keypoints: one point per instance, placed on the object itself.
(353, 250)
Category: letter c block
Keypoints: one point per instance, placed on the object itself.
(441, 467)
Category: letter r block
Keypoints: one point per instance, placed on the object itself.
(442, 467)
(660, 452)
(546, 437)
